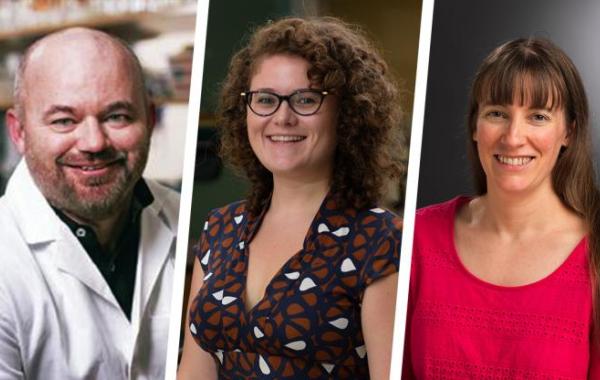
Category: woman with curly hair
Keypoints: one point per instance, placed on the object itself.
(504, 285)
(299, 280)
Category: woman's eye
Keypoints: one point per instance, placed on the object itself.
(306, 100)
(264, 99)
(496, 114)
(539, 117)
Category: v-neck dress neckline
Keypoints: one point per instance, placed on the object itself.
(248, 234)
(308, 323)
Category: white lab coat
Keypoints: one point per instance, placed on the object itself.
(58, 316)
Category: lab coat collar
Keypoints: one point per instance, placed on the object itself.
(39, 224)
(37, 221)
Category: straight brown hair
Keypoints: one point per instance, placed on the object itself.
(536, 72)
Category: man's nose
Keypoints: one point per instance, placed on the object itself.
(92, 136)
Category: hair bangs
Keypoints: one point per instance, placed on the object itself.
(526, 83)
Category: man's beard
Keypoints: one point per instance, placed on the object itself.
(92, 198)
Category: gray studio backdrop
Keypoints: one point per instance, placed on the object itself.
(464, 32)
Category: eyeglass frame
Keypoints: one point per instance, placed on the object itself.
(247, 95)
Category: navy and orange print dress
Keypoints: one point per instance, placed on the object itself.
(308, 325)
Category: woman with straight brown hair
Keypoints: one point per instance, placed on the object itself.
(505, 284)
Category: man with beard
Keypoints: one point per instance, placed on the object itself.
(86, 245)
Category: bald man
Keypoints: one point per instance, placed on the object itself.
(86, 244)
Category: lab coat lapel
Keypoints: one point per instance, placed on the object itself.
(157, 241)
(41, 227)
(71, 258)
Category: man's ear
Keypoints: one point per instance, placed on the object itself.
(15, 129)
(152, 116)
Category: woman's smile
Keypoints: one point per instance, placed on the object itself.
(286, 142)
(285, 138)
(519, 145)
(513, 160)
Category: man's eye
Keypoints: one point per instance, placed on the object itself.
(119, 118)
(63, 122)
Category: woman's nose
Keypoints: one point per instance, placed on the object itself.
(514, 133)
(285, 115)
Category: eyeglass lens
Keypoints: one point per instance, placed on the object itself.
(303, 102)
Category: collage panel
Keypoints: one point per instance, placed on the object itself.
(505, 254)
(301, 160)
(93, 104)
(298, 198)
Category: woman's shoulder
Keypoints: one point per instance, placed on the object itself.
(356, 228)
(220, 224)
(226, 219)
(434, 225)
(441, 211)
(375, 245)
(382, 220)
(366, 224)
(235, 210)
(380, 213)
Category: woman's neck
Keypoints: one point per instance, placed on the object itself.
(515, 215)
(292, 197)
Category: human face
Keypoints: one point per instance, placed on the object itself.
(84, 129)
(518, 145)
(288, 144)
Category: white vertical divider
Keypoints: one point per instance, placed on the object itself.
(187, 186)
(412, 186)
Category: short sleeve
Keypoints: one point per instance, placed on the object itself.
(202, 248)
(221, 224)
(383, 255)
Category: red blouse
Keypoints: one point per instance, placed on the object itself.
(461, 327)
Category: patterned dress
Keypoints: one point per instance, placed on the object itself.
(308, 325)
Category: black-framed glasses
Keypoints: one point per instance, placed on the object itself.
(304, 102)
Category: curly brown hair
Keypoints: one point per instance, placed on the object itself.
(370, 149)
